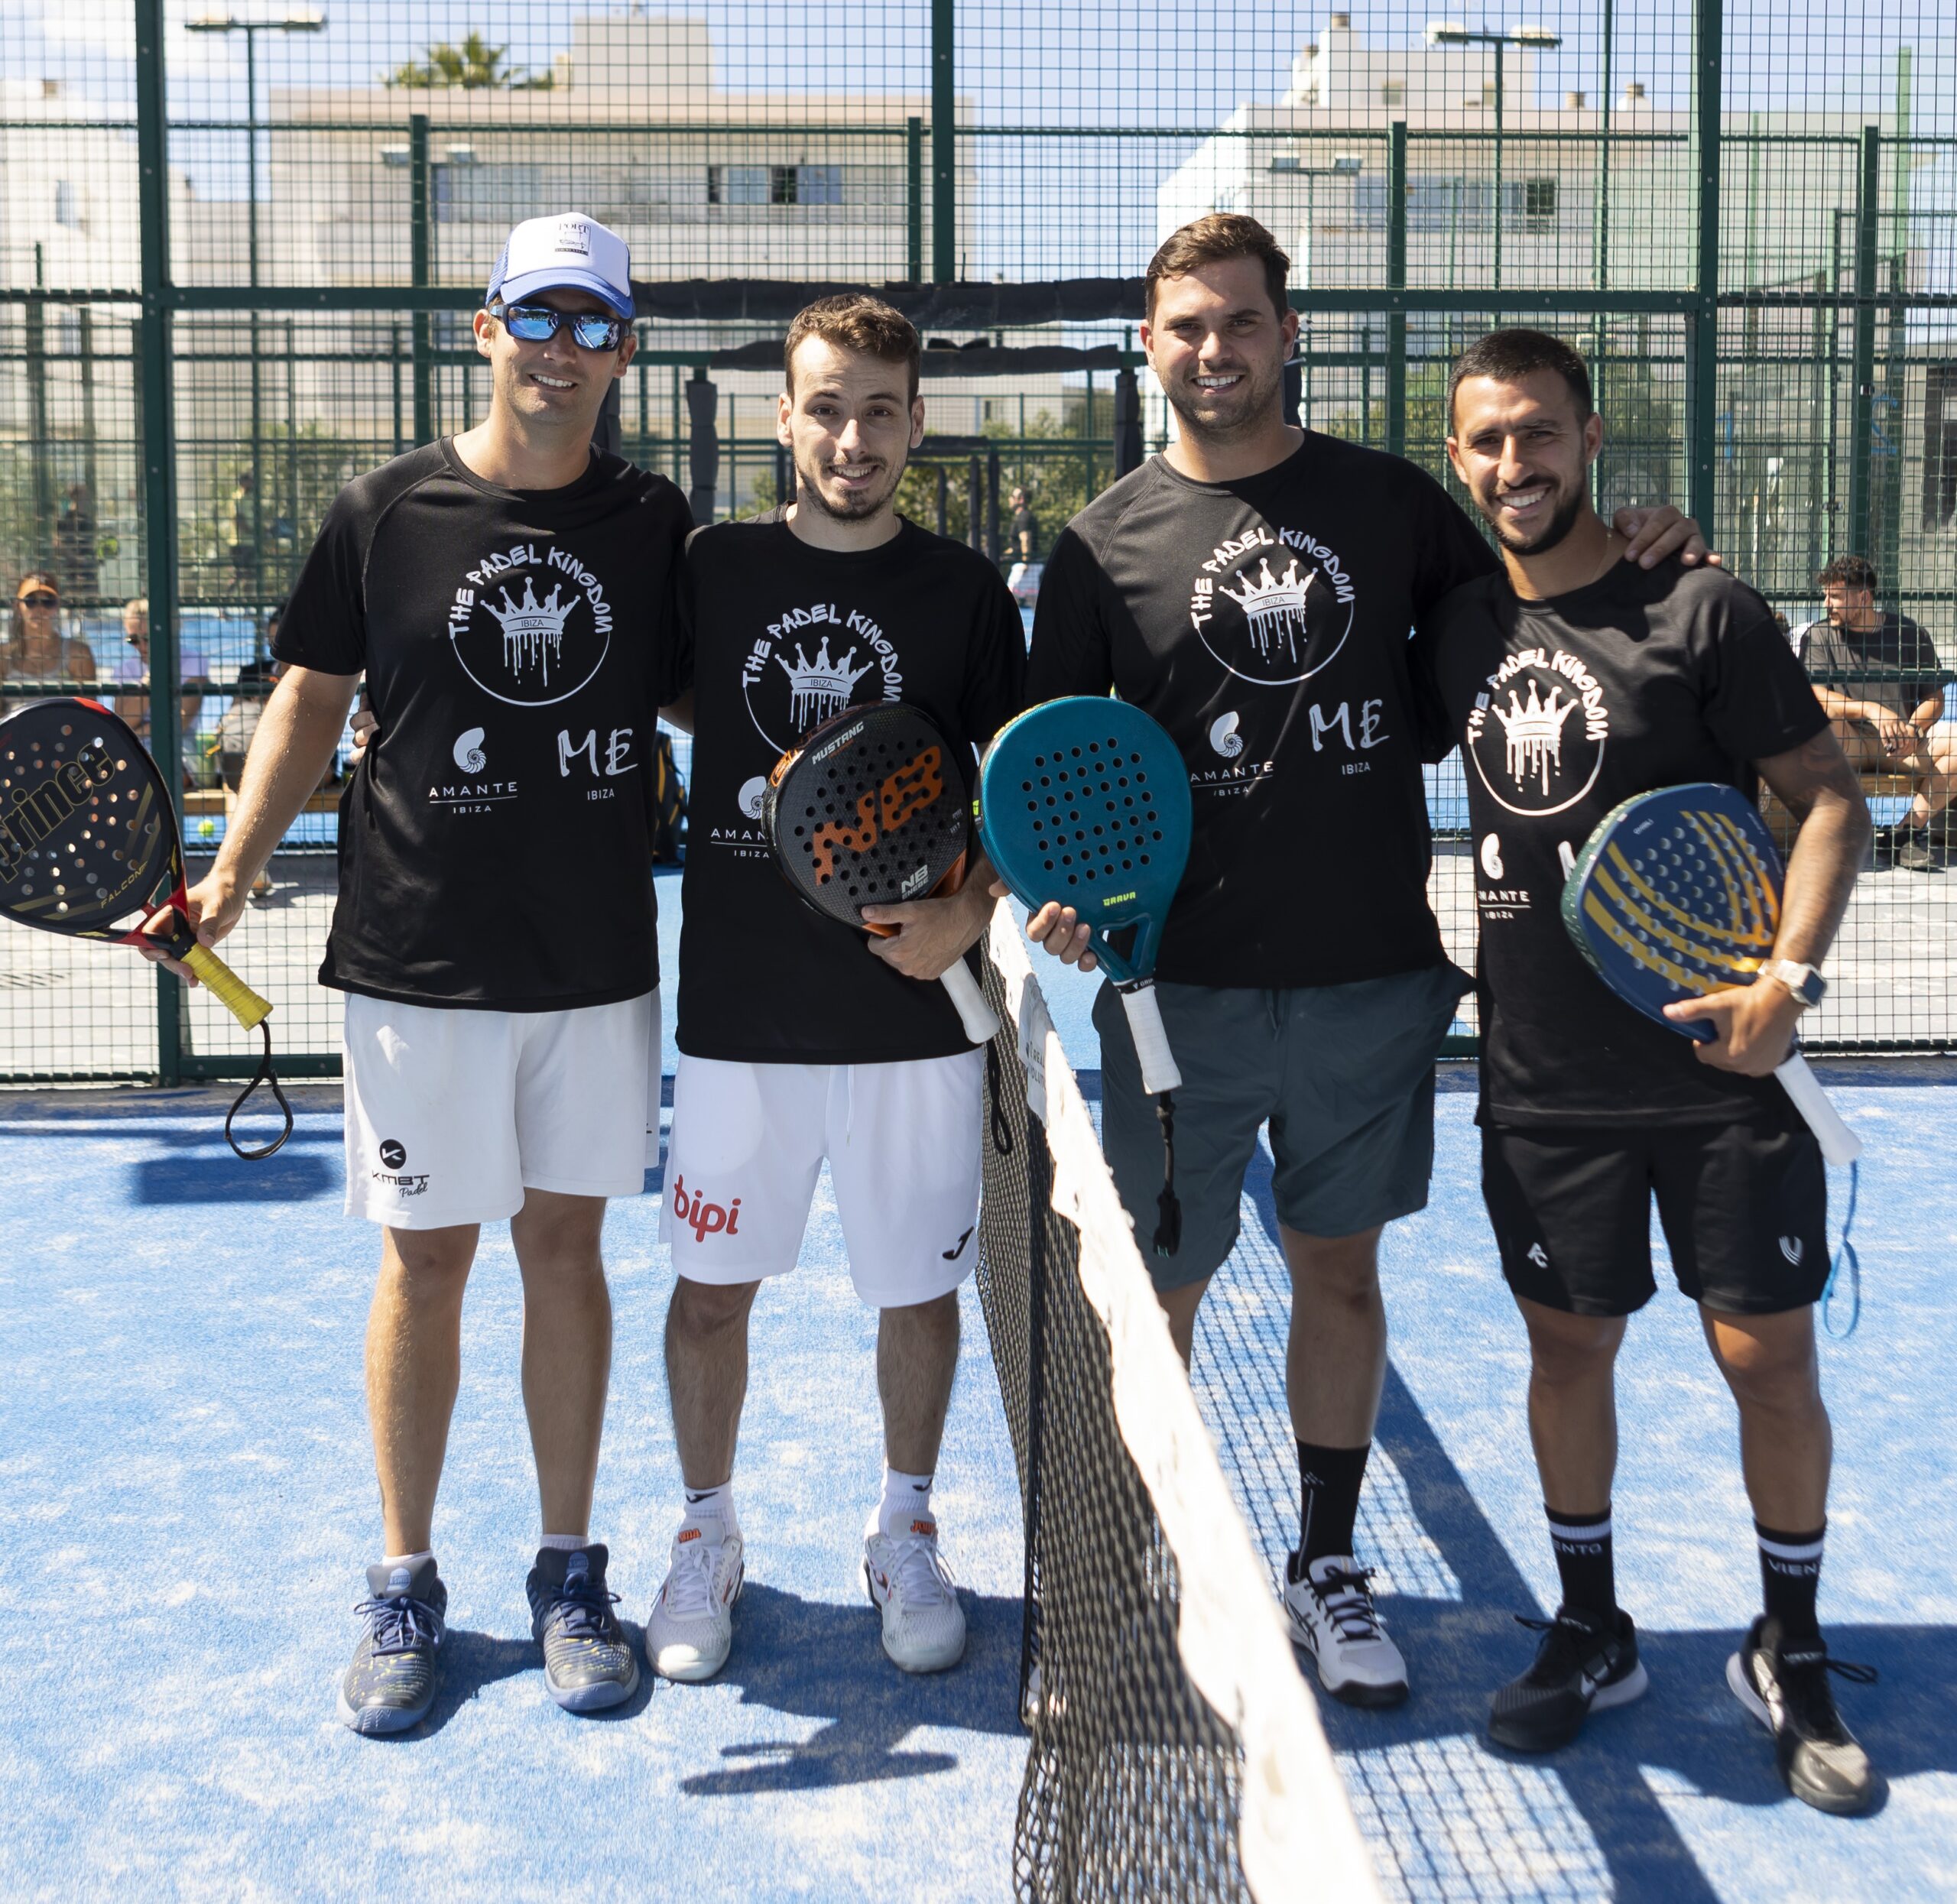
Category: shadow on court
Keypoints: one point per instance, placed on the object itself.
(1688, 1729)
(817, 1659)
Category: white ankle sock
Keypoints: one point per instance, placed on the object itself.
(566, 1543)
(407, 1560)
(712, 1504)
(906, 1498)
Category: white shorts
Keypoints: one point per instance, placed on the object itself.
(902, 1141)
(451, 1115)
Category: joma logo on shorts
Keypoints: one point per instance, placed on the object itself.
(705, 1219)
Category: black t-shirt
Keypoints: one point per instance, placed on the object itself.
(1025, 533)
(1645, 679)
(776, 638)
(1894, 665)
(495, 848)
(1264, 624)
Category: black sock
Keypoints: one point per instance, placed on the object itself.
(1329, 1487)
(1790, 1578)
(1584, 1561)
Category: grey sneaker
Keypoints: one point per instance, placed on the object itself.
(1786, 1689)
(588, 1662)
(391, 1683)
(1913, 853)
(1583, 1665)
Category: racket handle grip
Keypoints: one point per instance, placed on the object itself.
(1838, 1144)
(227, 987)
(1151, 1043)
(980, 1025)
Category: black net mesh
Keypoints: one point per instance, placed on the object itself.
(1133, 1782)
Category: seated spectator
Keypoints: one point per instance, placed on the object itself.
(1878, 674)
(135, 708)
(239, 721)
(35, 649)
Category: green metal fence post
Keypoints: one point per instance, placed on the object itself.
(1862, 440)
(914, 201)
(40, 430)
(944, 141)
(1701, 336)
(419, 177)
(159, 462)
(1396, 279)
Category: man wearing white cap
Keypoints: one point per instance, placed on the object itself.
(506, 593)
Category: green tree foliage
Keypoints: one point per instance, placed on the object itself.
(475, 66)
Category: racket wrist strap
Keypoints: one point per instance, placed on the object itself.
(267, 1077)
(1168, 1207)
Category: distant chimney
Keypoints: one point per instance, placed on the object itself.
(1634, 93)
(561, 72)
(1342, 22)
(50, 88)
(1572, 102)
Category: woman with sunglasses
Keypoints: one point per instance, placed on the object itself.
(35, 648)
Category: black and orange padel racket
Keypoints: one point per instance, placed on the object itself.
(872, 809)
(88, 848)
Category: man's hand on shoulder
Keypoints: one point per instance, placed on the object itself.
(1753, 1026)
(1650, 535)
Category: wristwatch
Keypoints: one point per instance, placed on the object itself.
(1807, 984)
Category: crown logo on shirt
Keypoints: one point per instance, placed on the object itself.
(533, 631)
(819, 688)
(1533, 732)
(1274, 606)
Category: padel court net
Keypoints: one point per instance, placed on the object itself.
(1176, 1753)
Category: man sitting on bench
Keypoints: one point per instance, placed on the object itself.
(1878, 676)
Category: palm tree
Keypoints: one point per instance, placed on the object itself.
(475, 66)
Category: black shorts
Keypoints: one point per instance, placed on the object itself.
(1743, 1206)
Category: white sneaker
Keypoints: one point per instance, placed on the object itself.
(910, 1584)
(691, 1625)
(1333, 1619)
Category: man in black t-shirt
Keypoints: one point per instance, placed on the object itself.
(1025, 528)
(506, 593)
(1878, 676)
(801, 1038)
(1572, 683)
(1252, 588)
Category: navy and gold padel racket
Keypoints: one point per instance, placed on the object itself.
(88, 848)
(1677, 893)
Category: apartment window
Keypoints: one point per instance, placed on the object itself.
(67, 204)
(737, 184)
(805, 184)
(1539, 201)
(1939, 509)
(1393, 93)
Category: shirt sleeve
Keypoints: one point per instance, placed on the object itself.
(1925, 671)
(1448, 549)
(1434, 733)
(995, 664)
(1071, 654)
(324, 626)
(673, 673)
(1760, 702)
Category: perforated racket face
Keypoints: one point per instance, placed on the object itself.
(871, 810)
(1085, 801)
(1676, 893)
(86, 832)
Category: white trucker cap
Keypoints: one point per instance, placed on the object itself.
(566, 252)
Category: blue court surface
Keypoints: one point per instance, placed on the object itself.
(189, 1500)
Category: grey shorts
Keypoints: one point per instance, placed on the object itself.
(1343, 1074)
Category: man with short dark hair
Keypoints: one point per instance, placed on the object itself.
(801, 1039)
(1252, 588)
(507, 594)
(1573, 682)
(1877, 674)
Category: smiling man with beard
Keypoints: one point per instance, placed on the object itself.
(1572, 682)
(801, 1038)
(1253, 588)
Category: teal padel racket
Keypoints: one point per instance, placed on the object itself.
(1085, 802)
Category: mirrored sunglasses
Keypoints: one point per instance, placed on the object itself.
(533, 323)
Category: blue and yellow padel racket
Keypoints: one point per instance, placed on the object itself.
(1085, 802)
(1677, 893)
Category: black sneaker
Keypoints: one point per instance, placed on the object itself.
(391, 1684)
(1787, 1691)
(588, 1662)
(1581, 1666)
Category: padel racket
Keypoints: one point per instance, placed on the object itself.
(88, 848)
(1085, 802)
(1677, 893)
(872, 810)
